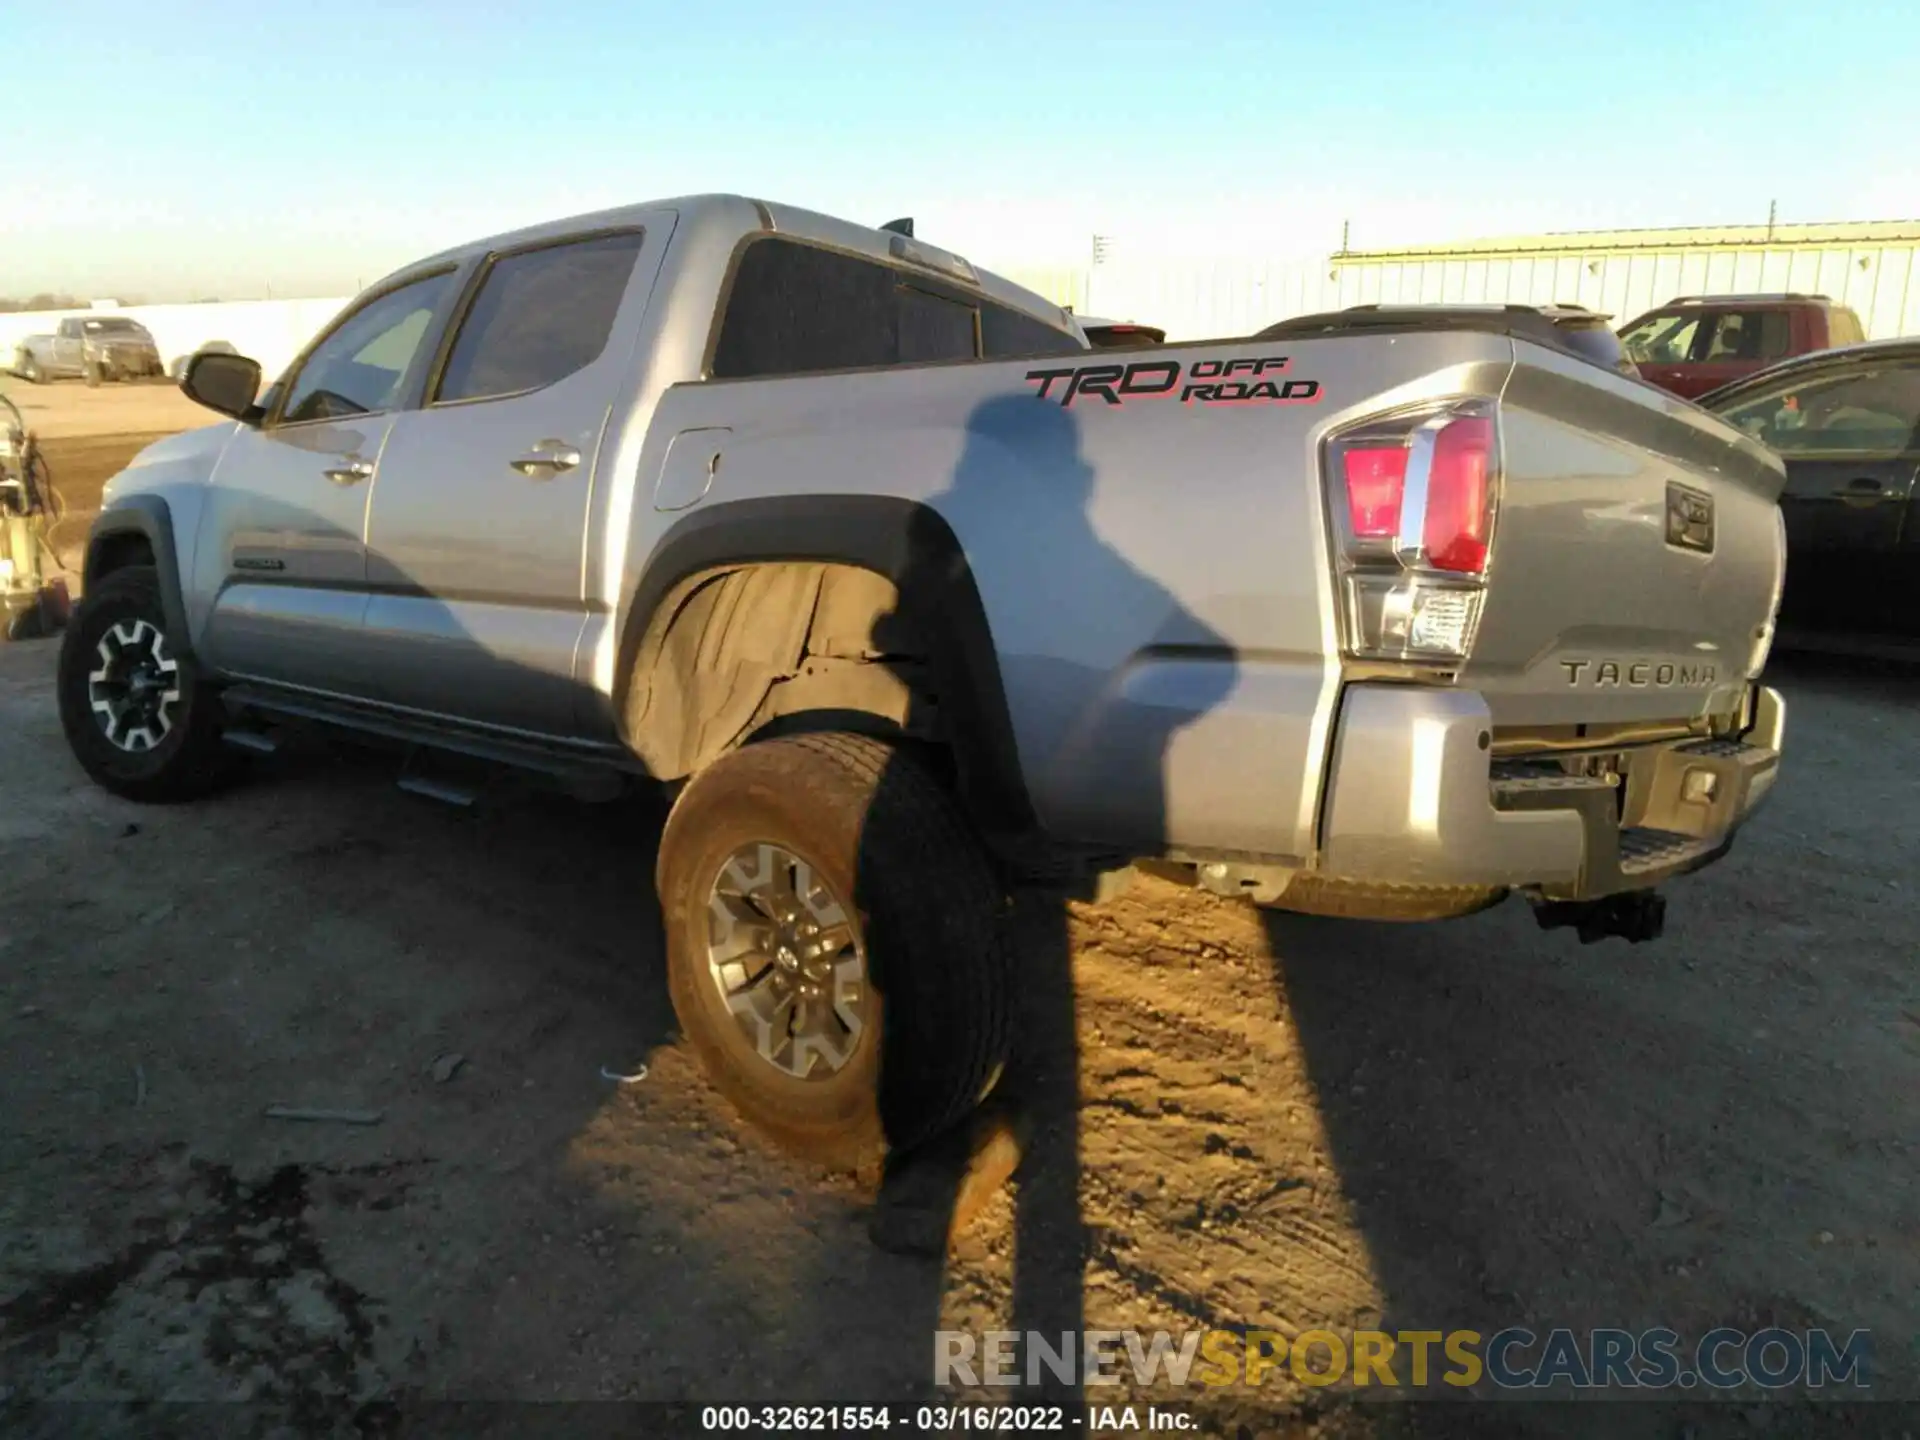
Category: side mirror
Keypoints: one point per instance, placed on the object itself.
(226, 383)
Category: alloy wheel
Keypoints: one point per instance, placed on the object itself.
(788, 961)
(134, 687)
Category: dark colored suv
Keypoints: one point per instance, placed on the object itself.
(1701, 342)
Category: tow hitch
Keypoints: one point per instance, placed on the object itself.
(1634, 915)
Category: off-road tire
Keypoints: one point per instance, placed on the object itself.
(29, 371)
(1362, 900)
(190, 760)
(892, 844)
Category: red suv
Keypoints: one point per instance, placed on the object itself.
(1701, 342)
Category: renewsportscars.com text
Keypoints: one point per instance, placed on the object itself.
(1511, 1359)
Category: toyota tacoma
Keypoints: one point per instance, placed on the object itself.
(909, 596)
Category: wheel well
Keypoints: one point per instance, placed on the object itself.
(744, 652)
(117, 552)
(926, 631)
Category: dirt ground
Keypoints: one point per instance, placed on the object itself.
(1273, 1122)
(87, 435)
(68, 409)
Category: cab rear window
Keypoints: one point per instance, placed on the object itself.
(798, 309)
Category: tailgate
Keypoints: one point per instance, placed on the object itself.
(1637, 555)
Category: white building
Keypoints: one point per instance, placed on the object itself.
(1868, 265)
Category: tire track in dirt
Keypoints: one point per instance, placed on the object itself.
(1206, 1180)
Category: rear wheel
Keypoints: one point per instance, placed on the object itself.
(136, 712)
(833, 945)
(30, 370)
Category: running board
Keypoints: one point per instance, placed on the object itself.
(588, 774)
(440, 790)
(257, 741)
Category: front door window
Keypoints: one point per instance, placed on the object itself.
(362, 366)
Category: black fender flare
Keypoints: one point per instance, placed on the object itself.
(147, 516)
(908, 543)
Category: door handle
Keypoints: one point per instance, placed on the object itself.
(349, 472)
(547, 459)
(1861, 491)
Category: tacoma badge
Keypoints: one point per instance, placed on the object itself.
(1639, 674)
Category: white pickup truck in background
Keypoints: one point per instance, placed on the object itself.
(94, 348)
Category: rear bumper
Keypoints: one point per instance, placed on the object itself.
(1415, 798)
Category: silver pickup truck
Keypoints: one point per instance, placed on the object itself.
(95, 348)
(908, 595)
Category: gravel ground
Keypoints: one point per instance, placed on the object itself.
(1244, 1120)
(68, 409)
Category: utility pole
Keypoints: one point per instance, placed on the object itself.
(1102, 247)
(1773, 209)
(1344, 224)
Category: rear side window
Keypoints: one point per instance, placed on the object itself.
(1843, 327)
(798, 309)
(540, 316)
(1760, 335)
(1858, 414)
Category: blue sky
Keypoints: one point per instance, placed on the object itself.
(175, 151)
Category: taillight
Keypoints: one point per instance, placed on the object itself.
(1414, 496)
(1459, 520)
(1376, 477)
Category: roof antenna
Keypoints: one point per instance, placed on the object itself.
(902, 226)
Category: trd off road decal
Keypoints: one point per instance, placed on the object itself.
(1243, 381)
